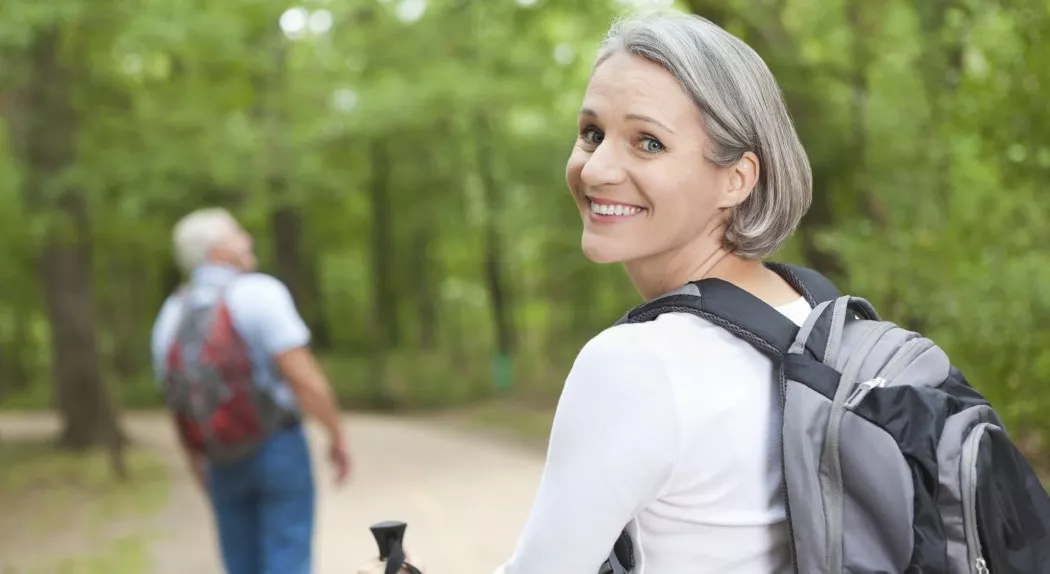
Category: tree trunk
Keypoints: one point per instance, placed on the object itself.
(763, 29)
(65, 274)
(292, 259)
(383, 248)
(88, 416)
(498, 296)
(294, 266)
(170, 278)
(941, 65)
(821, 215)
(124, 312)
(427, 216)
(19, 367)
(384, 306)
(425, 285)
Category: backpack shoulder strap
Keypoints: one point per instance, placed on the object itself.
(184, 331)
(738, 311)
(727, 306)
(182, 292)
(815, 287)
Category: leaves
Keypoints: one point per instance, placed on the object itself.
(925, 124)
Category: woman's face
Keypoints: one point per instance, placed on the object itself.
(638, 171)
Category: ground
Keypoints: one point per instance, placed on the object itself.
(463, 494)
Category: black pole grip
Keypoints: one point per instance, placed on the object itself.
(389, 536)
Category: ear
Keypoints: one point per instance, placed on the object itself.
(743, 176)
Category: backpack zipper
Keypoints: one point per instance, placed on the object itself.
(969, 494)
(905, 355)
(901, 359)
(862, 391)
(833, 491)
(783, 467)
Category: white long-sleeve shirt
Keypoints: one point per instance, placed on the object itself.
(672, 426)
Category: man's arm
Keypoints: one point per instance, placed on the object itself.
(286, 339)
(314, 395)
(311, 387)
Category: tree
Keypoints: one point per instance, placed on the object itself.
(48, 143)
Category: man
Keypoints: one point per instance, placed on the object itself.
(230, 350)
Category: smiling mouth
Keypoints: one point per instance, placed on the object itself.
(613, 210)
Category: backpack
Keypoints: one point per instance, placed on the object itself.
(892, 462)
(210, 388)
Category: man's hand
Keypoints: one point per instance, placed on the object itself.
(339, 456)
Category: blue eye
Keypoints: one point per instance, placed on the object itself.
(651, 145)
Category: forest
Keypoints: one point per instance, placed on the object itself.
(400, 164)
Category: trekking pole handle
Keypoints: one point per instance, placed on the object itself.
(388, 535)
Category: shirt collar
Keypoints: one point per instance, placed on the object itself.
(216, 273)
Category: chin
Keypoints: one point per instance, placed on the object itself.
(601, 250)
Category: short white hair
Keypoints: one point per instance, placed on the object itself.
(742, 109)
(196, 233)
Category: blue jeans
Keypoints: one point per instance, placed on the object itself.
(264, 507)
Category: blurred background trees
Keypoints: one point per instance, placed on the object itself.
(401, 164)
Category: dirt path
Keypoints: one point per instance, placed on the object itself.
(463, 496)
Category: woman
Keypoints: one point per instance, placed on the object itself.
(686, 166)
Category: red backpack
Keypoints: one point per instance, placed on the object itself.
(210, 388)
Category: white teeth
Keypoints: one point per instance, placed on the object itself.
(619, 209)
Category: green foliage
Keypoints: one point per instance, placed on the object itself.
(954, 164)
(418, 146)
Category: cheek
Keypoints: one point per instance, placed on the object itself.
(688, 192)
(668, 191)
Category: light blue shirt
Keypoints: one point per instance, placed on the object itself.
(262, 311)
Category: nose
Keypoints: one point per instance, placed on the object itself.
(604, 166)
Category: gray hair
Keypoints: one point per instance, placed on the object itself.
(742, 109)
(197, 233)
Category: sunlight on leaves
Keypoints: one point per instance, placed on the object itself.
(320, 21)
(294, 21)
(344, 100)
(564, 54)
(409, 11)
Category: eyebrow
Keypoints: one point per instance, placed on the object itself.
(639, 117)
